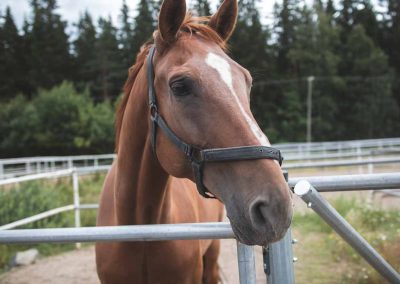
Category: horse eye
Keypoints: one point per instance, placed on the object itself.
(180, 88)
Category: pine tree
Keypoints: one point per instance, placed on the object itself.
(314, 54)
(85, 57)
(366, 104)
(144, 25)
(50, 57)
(287, 18)
(126, 37)
(345, 18)
(365, 15)
(249, 47)
(110, 73)
(391, 41)
(11, 72)
(330, 10)
(156, 5)
(202, 8)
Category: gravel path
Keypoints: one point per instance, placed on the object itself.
(78, 267)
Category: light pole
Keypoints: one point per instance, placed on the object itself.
(310, 80)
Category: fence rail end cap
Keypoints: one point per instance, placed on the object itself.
(302, 187)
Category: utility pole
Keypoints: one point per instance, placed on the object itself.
(310, 80)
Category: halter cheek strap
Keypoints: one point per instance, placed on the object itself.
(198, 157)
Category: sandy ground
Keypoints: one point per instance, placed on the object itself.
(78, 267)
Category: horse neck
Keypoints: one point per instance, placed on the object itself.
(141, 185)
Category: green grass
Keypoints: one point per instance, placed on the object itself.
(326, 258)
(30, 198)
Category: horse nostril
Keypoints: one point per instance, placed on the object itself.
(259, 212)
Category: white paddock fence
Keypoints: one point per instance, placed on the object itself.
(339, 146)
(278, 257)
(357, 151)
(34, 165)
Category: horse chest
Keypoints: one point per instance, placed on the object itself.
(158, 262)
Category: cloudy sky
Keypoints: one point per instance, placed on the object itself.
(71, 9)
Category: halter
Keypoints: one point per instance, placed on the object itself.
(198, 157)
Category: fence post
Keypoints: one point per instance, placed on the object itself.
(370, 168)
(278, 259)
(28, 168)
(75, 182)
(246, 263)
(1, 171)
(359, 158)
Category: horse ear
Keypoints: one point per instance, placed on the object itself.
(224, 20)
(170, 19)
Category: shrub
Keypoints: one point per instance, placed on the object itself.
(30, 198)
(56, 122)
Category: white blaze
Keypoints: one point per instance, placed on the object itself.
(224, 70)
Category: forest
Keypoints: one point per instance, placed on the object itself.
(59, 86)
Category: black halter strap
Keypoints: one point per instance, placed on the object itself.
(198, 157)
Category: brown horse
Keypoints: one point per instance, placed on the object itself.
(203, 95)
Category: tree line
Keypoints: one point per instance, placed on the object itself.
(350, 47)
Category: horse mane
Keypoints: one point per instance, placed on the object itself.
(191, 25)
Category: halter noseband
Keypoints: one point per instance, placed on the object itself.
(198, 157)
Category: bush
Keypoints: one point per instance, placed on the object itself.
(56, 122)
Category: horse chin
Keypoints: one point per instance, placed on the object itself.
(246, 234)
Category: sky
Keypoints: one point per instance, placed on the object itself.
(71, 9)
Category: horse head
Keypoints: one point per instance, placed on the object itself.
(204, 98)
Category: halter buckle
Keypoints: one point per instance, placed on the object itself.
(153, 110)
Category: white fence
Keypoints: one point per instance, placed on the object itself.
(33, 165)
(74, 173)
(349, 152)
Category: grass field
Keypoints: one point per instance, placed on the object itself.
(30, 198)
(323, 256)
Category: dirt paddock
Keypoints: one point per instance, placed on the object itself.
(78, 267)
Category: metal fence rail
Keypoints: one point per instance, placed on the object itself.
(342, 163)
(37, 217)
(55, 174)
(352, 182)
(387, 152)
(315, 201)
(292, 151)
(120, 233)
(342, 145)
(34, 165)
(143, 233)
(287, 165)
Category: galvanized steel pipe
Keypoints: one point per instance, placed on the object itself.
(189, 231)
(246, 263)
(352, 182)
(311, 196)
(341, 163)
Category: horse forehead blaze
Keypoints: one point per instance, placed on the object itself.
(222, 66)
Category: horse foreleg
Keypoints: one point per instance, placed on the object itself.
(210, 263)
